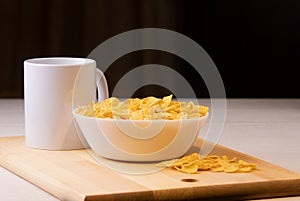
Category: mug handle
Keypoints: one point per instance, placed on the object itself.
(101, 85)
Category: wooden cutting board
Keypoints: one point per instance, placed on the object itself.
(77, 175)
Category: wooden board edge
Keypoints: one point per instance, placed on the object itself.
(257, 190)
(130, 196)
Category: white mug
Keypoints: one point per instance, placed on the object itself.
(53, 87)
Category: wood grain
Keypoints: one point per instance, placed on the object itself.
(76, 175)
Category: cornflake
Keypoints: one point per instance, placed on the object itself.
(194, 163)
(149, 108)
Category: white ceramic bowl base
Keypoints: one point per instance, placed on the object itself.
(139, 140)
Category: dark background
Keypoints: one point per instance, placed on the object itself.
(254, 44)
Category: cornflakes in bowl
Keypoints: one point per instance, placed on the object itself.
(148, 129)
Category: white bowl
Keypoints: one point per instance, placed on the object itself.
(139, 140)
